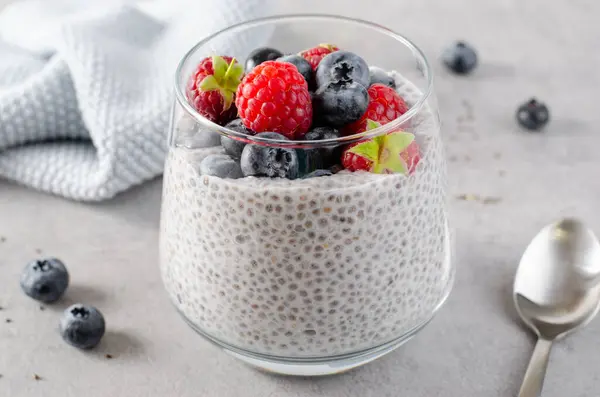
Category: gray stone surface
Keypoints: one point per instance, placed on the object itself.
(474, 347)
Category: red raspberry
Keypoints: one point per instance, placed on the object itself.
(314, 55)
(211, 88)
(395, 152)
(274, 97)
(385, 105)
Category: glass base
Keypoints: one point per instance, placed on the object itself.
(317, 366)
(312, 366)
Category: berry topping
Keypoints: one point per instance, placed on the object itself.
(380, 76)
(339, 103)
(342, 66)
(233, 147)
(533, 115)
(261, 55)
(82, 326)
(460, 58)
(385, 105)
(274, 162)
(321, 133)
(212, 87)
(323, 157)
(274, 97)
(45, 280)
(302, 65)
(222, 166)
(395, 152)
(314, 55)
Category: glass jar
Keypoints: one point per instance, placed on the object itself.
(308, 276)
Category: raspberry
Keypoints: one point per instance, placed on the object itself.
(314, 55)
(385, 105)
(211, 88)
(394, 152)
(274, 97)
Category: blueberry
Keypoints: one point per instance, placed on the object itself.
(380, 76)
(273, 162)
(323, 157)
(461, 58)
(261, 55)
(82, 326)
(317, 174)
(234, 147)
(342, 66)
(222, 166)
(45, 280)
(321, 133)
(301, 64)
(338, 103)
(533, 115)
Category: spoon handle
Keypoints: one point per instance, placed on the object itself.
(536, 371)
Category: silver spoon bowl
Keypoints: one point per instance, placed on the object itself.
(556, 290)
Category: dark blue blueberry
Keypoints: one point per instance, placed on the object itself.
(234, 147)
(45, 280)
(302, 65)
(317, 174)
(82, 326)
(261, 55)
(380, 76)
(533, 115)
(323, 157)
(322, 133)
(342, 66)
(273, 162)
(338, 103)
(222, 166)
(461, 58)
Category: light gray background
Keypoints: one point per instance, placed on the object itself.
(474, 347)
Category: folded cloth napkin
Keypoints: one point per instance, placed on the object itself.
(86, 87)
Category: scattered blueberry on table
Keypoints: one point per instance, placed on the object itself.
(82, 326)
(533, 115)
(460, 58)
(45, 280)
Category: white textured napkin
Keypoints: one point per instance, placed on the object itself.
(86, 87)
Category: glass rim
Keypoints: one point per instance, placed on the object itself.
(342, 140)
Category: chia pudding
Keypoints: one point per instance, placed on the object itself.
(308, 267)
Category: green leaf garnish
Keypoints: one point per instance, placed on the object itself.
(226, 78)
(385, 150)
(219, 67)
(209, 83)
(389, 160)
(368, 150)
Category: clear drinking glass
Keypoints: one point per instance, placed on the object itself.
(307, 276)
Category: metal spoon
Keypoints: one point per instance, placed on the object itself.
(556, 290)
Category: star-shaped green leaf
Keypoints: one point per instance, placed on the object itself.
(225, 78)
(389, 160)
(384, 150)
